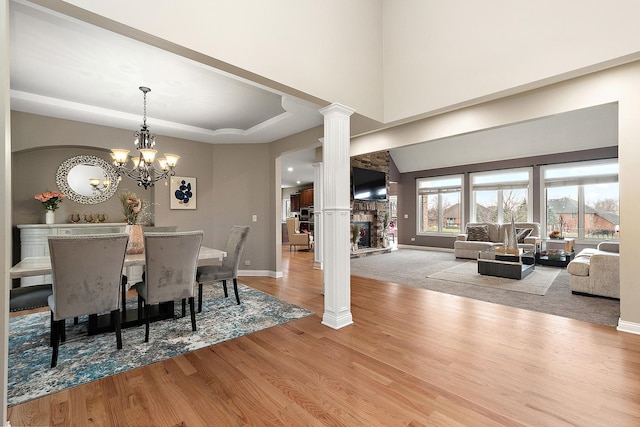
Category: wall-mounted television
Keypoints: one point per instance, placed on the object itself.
(369, 184)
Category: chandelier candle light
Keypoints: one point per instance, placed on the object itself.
(143, 170)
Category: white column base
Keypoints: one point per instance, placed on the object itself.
(337, 322)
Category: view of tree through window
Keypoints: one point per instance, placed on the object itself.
(582, 200)
(440, 202)
(502, 195)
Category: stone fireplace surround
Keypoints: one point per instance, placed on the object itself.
(371, 211)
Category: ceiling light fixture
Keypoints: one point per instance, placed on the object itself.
(143, 170)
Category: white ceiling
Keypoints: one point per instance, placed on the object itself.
(65, 68)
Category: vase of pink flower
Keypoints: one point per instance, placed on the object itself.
(50, 202)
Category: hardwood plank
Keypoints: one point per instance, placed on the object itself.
(412, 357)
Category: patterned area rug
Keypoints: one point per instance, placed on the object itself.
(537, 282)
(82, 359)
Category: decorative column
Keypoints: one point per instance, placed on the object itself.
(317, 215)
(336, 216)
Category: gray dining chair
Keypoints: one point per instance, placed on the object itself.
(171, 260)
(86, 276)
(228, 270)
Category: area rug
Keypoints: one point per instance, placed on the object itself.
(82, 359)
(537, 282)
(411, 267)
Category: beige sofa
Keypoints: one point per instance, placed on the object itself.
(596, 271)
(469, 243)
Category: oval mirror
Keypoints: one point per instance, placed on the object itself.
(87, 179)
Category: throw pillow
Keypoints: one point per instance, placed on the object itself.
(521, 233)
(478, 233)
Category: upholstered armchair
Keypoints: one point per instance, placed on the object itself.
(296, 238)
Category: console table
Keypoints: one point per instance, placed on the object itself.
(34, 243)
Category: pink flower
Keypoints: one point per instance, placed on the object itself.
(50, 199)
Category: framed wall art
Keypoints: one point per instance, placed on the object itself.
(183, 192)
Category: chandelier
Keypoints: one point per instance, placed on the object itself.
(143, 170)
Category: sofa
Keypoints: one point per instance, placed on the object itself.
(479, 236)
(596, 271)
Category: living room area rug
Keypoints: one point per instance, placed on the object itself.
(414, 267)
(82, 359)
(537, 282)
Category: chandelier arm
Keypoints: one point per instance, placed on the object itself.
(143, 171)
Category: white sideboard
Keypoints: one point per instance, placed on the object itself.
(34, 242)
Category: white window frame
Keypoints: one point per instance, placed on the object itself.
(439, 188)
(501, 185)
(584, 176)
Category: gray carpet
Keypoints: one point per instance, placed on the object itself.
(412, 267)
(537, 282)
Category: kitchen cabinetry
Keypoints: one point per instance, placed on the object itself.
(294, 201)
(306, 198)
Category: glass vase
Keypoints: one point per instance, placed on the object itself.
(136, 239)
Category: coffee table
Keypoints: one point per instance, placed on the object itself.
(500, 263)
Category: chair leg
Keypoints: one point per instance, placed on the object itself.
(146, 325)
(55, 338)
(123, 307)
(235, 289)
(224, 286)
(139, 310)
(184, 307)
(199, 297)
(63, 331)
(51, 337)
(193, 313)
(115, 320)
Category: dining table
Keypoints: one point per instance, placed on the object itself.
(41, 265)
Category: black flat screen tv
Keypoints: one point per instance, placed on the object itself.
(369, 184)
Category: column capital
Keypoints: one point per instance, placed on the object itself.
(335, 109)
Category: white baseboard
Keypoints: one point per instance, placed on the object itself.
(261, 273)
(630, 327)
(424, 248)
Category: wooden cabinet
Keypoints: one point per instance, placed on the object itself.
(306, 198)
(294, 201)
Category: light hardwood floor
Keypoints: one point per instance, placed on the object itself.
(412, 357)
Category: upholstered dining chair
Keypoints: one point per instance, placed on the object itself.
(171, 260)
(228, 270)
(86, 276)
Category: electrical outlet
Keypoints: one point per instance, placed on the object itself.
(247, 262)
(406, 216)
(413, 239)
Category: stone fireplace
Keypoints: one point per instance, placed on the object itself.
(365, 233)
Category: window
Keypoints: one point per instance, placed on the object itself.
(499, 196)
(582, 199)
(440, 204)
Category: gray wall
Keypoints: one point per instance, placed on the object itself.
(233, 181)
(407, 199)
